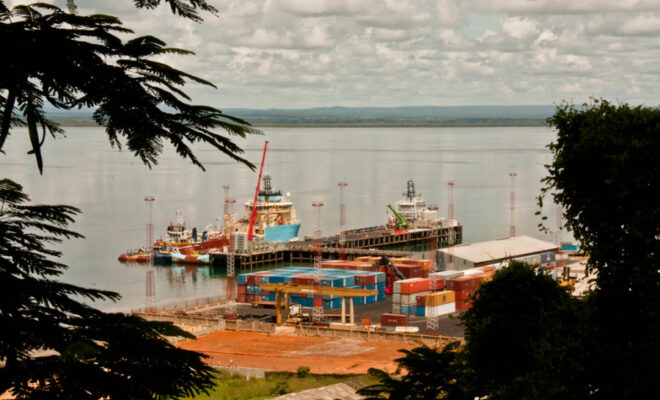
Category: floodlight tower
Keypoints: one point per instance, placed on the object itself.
(318, 299)
(228, 208)
(150, 290)
(231, 270)
(512, 230)
(451, 239)
(342, 221)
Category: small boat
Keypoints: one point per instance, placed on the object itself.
(137, 255)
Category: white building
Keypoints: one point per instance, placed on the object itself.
(494, 252)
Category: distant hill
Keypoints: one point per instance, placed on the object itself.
(373, 116)
(459, 115)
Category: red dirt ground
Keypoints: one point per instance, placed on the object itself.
(287, 353)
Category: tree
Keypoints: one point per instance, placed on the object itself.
(74, 61)
(523, 338)
(606, 174)
(428, 374)
(51, 344)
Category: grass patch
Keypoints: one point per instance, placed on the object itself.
(230, 387)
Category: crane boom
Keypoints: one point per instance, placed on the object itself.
(402, 222)
(256, 195)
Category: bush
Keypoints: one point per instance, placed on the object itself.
(302, 372)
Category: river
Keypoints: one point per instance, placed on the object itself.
(109, 186)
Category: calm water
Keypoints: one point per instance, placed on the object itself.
(109, 186)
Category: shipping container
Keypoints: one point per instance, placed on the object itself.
(365, 280)
(450, 274)
(439, 298)
(414, 285)
(463, 282)
(393, 320)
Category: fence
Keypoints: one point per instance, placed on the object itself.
(182, 306)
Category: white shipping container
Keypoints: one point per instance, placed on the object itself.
(411, 299)
(396, 289)
(406, 329)
(449, 274)
(396, 308)
(396, 298)
(472, 271)
(441, 309)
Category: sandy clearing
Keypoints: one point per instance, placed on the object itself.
(287, 353)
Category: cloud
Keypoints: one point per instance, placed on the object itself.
(519, 28)
(287, 53)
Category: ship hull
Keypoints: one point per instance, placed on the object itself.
(281, 233)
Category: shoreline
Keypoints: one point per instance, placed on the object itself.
(458, 124)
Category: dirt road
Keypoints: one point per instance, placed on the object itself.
(287, 353)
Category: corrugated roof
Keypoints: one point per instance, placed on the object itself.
(330, 392)
(501, 249)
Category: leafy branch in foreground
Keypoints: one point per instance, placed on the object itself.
(428, 374)
(74, 61)
(53, 346)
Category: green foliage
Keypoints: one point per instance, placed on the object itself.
(605, 173)
(280, 388)
(429, 374)
(53, 346)
(523, 337)
(74, 61)
(230, 387)
(67, 348)
(302, 372)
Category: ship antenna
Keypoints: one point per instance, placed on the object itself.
(267, 186)
(411, 190)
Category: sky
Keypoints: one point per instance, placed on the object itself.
(318, 53)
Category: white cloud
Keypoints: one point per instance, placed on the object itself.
(642, 24)
(286, 53)
(519, 28)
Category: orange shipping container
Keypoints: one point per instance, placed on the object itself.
(410, 286)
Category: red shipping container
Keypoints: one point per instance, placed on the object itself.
(416, 286)
(393, 320)
(421, 300)
(365, 280)
(253, 298)
(242, 298)
(463, 282)
(439, 284)
(318, 301)
(303, 280)
(410, 271)
(242, 289)
(463, 299)
(254, 279)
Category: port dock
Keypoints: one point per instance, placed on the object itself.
(372, 241)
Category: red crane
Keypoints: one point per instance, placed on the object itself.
(256, 195)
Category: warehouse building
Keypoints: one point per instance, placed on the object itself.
(495, 252)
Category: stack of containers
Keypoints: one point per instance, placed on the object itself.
(330, 277)
(437, 303)
(405, 293)
(464, 287)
